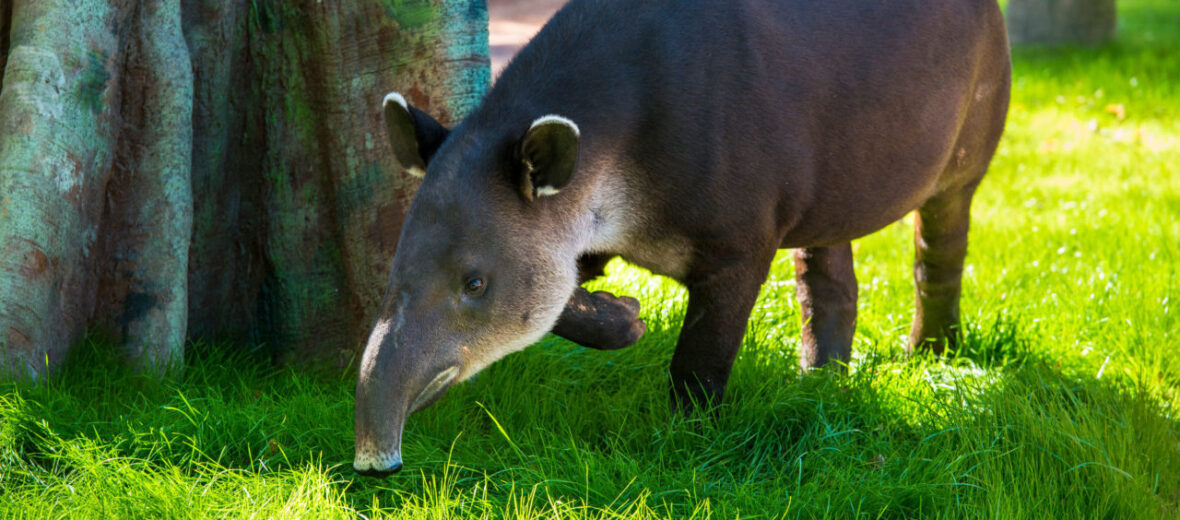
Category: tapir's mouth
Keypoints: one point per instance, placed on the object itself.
(382, 465)
(434, 389)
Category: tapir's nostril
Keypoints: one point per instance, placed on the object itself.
(374, 472)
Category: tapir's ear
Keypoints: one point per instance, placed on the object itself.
(548, 155)
(414, 135)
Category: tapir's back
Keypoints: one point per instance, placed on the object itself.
(824, 119)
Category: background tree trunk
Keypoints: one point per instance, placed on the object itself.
(217, 170)
(1053, 22)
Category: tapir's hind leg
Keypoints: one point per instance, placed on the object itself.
(826, 290)
(940, 239)
(940, 226)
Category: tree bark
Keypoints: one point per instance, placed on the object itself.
(217, 170)
(1055, 22)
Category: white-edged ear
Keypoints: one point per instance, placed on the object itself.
(549, 153)
(552, 119)
(414, 136)
(394, 97)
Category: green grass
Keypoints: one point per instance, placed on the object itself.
(1063, 403)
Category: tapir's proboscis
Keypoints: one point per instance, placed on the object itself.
(693, 138)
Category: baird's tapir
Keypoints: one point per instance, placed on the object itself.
(693, 138)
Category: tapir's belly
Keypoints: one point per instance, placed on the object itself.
(838, 214)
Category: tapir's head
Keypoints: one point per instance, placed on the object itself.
(480, 271)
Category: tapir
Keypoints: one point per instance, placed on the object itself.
(693, 138)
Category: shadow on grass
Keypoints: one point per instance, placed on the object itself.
(1004, 342)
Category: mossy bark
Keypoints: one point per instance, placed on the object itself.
(211, 169)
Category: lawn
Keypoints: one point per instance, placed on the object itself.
(1064, 402)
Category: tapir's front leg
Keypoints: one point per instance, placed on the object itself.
(719, 304)
(592, 266)
(600, 320)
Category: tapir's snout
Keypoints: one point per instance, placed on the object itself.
(403, 370)
(380, 417)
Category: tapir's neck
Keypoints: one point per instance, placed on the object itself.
(613, 217)
(607, 217)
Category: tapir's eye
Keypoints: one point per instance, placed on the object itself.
(474, 286)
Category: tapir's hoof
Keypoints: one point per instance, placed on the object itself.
(601, 320)
(631, 304)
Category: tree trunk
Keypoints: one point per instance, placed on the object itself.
(217, 170)
(1055, 22)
